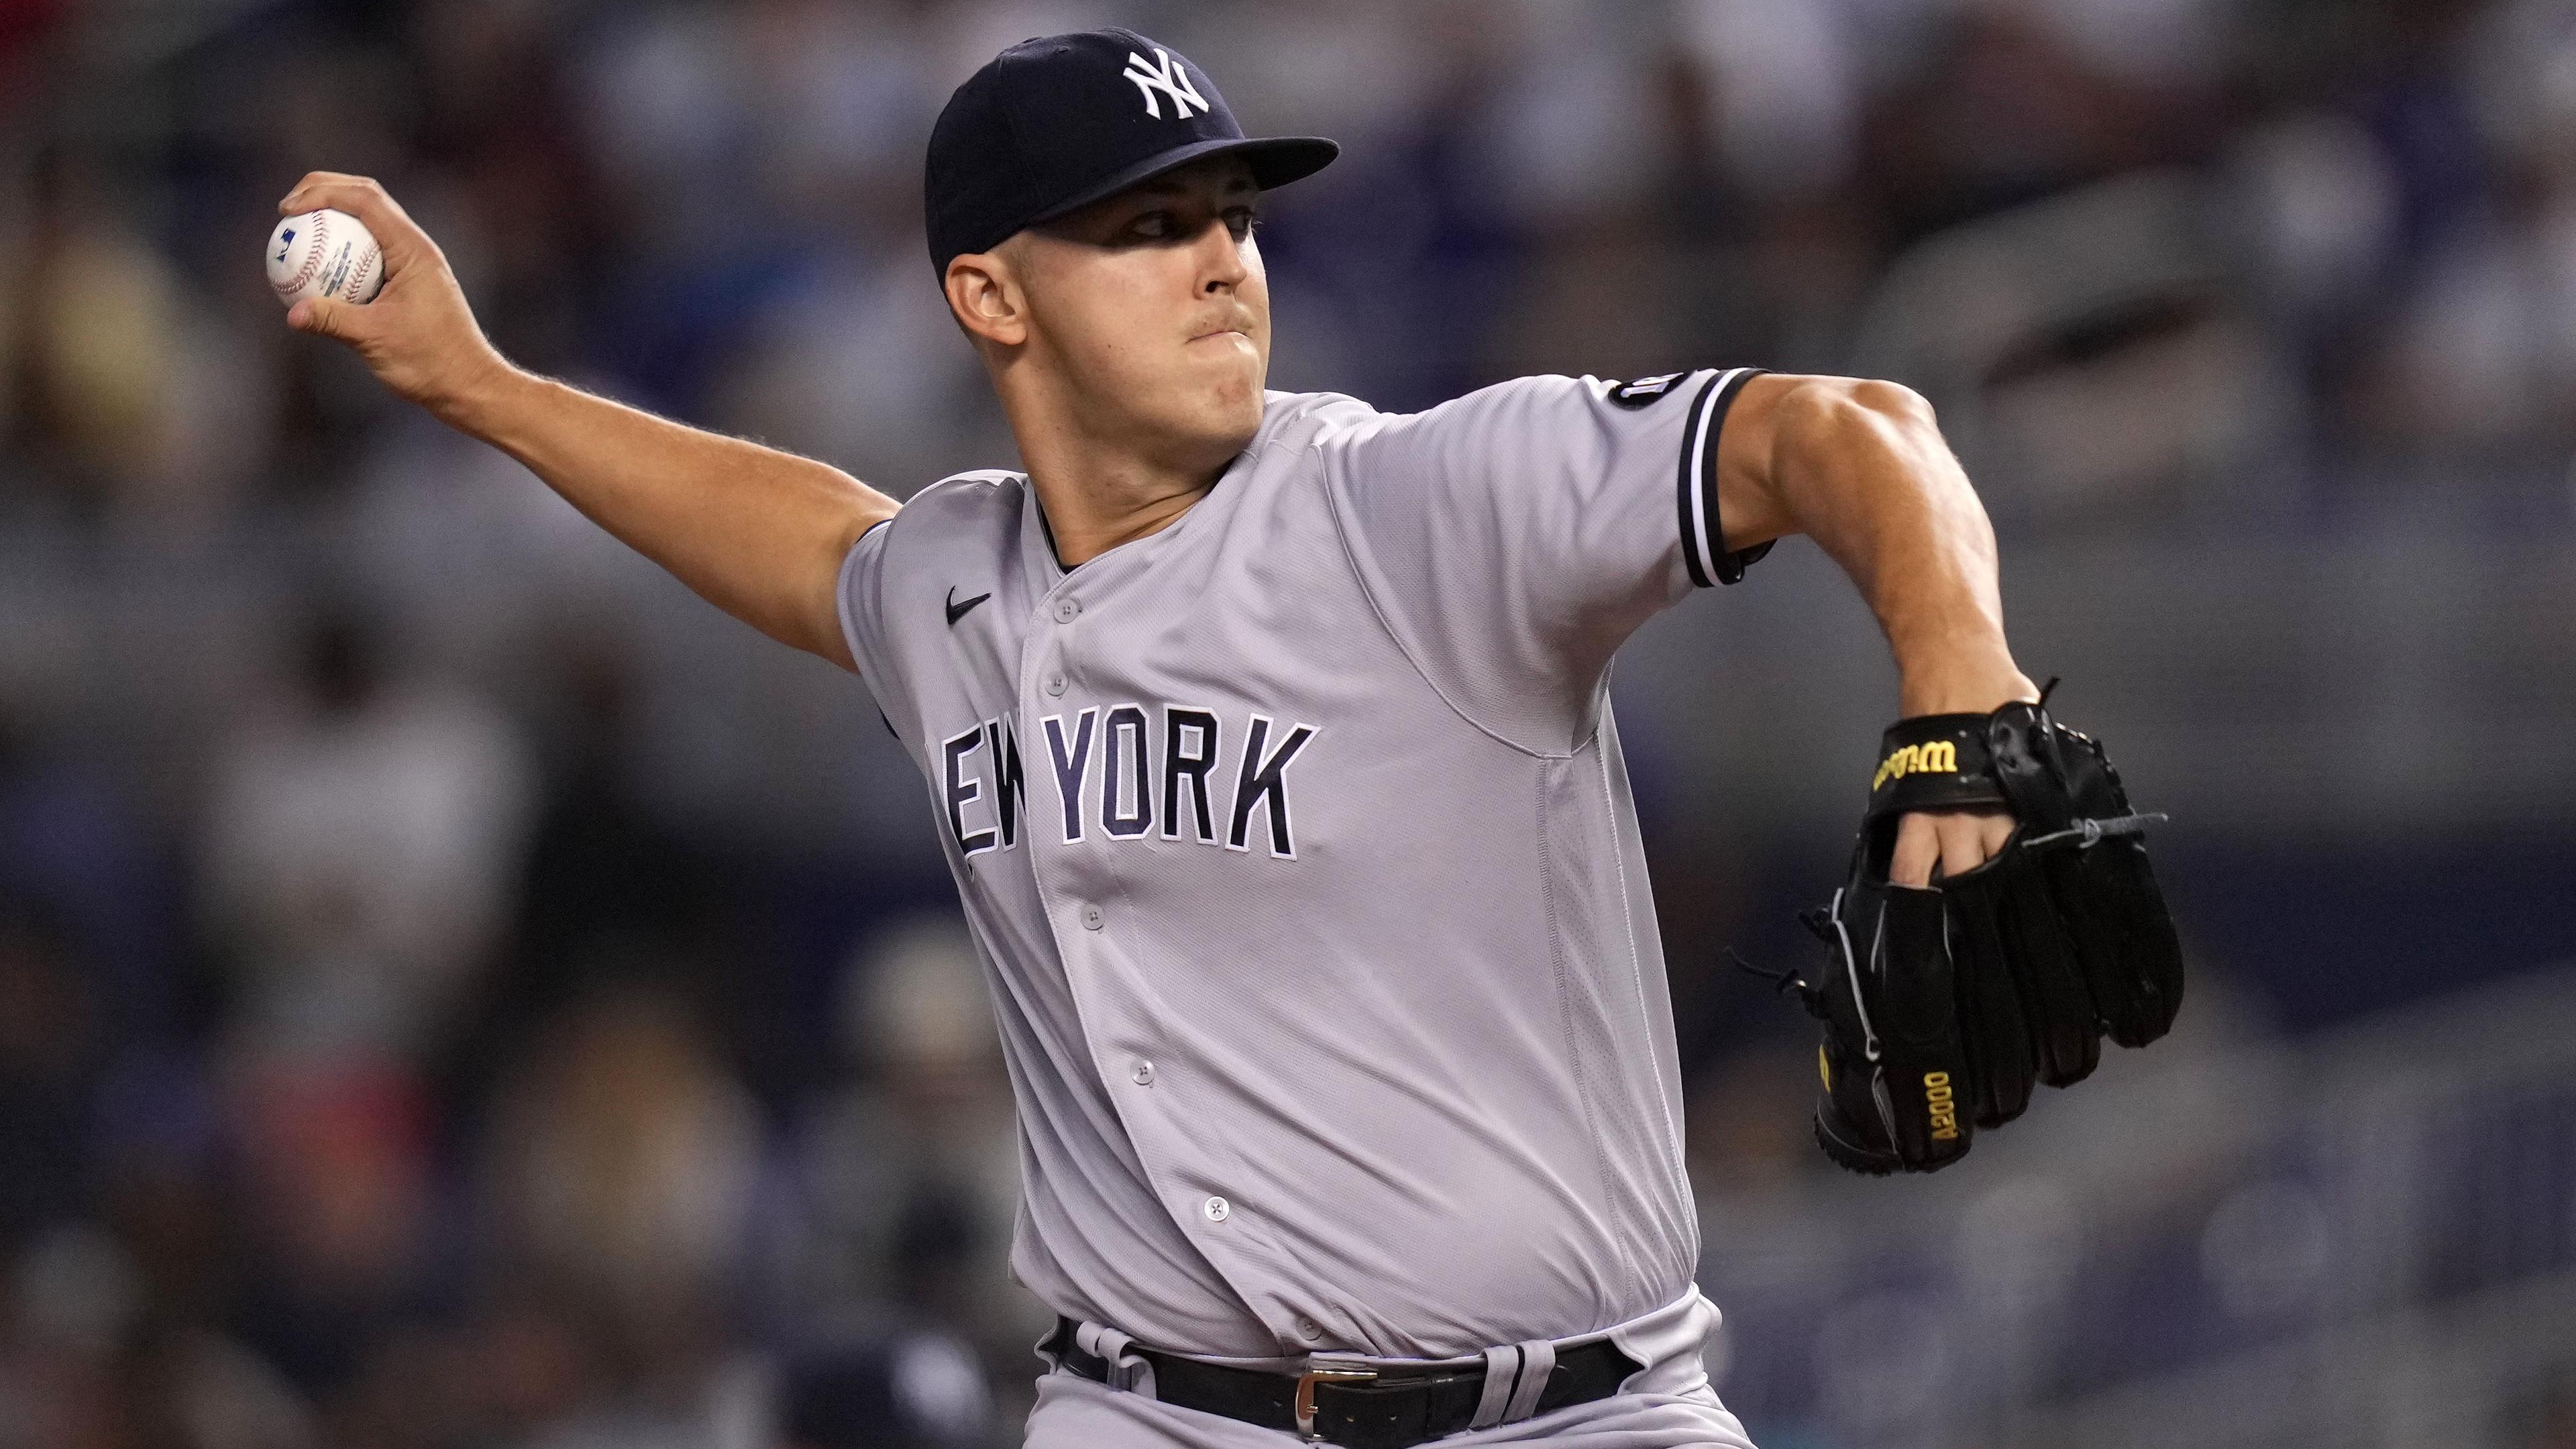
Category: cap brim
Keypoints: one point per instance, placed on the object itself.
(1275, 161)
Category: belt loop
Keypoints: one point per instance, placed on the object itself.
(1538, 1361)
(1128, 1372)
(1502, 1365)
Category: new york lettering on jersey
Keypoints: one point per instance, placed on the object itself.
(1119, 770)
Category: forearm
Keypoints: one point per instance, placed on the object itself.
(1862, 469)
(757, 532)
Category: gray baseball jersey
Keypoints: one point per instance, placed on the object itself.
(1297, 843)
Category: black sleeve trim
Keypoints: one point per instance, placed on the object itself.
(1703, 539)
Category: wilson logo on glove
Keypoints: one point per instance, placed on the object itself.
(1940, 755)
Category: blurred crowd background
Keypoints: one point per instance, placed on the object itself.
(457, 989)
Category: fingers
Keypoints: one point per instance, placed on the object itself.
(401, 238)
(1963, 843)
(1954, 841)
(1918, 849)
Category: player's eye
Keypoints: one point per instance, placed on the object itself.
(1161, 225)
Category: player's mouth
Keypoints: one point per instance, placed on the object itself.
(1231, 322)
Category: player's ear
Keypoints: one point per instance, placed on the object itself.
(987, 299)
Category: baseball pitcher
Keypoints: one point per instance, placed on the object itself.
(1268, 741)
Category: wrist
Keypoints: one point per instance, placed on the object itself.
(477, 403)
(1962, 688)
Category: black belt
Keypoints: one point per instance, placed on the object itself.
(1355, 1408)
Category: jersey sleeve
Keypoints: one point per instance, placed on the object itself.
(1515, 537)
(860, 599)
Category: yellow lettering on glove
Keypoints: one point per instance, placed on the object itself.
(1944, 1104)
(1941, 757)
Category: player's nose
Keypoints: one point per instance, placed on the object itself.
(1222, 267)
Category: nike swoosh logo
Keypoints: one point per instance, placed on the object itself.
(957, 610)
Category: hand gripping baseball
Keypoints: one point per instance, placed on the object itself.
(418, 336)
(1943, 1005)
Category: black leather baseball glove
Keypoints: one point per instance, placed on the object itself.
(1941, 1006)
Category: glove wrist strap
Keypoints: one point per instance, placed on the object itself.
(1934, 762)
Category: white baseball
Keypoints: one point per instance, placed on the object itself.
(324, 254)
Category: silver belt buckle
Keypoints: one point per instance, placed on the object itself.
(1306, 1395)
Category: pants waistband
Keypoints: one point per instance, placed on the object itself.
(1386, 1402)
(1652, 1335)
(1339, 1402)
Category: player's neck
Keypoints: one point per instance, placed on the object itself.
(1083, 533)
(1097, 498)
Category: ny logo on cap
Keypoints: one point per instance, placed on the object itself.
(1167, 77)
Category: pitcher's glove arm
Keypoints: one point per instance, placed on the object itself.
(1942, 1005)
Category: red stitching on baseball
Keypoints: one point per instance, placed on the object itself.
(312, 258)
(358, 273)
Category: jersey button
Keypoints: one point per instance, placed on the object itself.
(1093, 918)
(1143, 1073)
(1055, 684)
(1216, 1208)
(1066, 610)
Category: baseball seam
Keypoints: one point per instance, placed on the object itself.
(367, 263)
(315, 244)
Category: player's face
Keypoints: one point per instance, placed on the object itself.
(1155, 308)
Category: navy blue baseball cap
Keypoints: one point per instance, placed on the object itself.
(1058, 122)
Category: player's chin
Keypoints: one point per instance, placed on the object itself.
(1235, 412)
(1231, 396)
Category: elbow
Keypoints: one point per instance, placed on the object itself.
(1841, 404)
(1834, 453)
(1836, 422)
(1891, 400)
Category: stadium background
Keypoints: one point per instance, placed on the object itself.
(457, 989)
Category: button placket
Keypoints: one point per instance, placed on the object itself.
(1074, 885)
(1046, 668)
